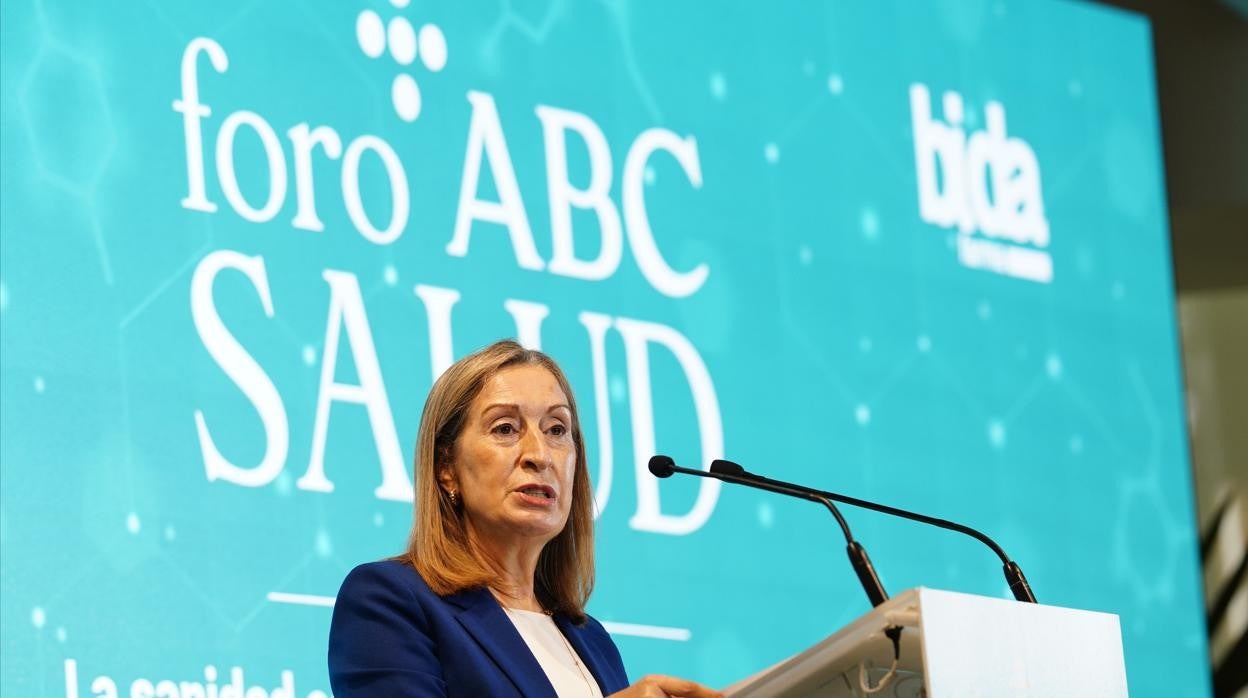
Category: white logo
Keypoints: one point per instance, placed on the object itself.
(987, 184)
(375, 37)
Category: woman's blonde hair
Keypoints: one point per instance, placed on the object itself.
(439, 548)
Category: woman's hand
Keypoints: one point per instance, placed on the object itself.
(659, 686)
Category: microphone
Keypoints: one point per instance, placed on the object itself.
(1013, 573)
(664, 467)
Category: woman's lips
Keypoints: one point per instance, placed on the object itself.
(537, 495)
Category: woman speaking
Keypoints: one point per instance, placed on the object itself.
(489, 599)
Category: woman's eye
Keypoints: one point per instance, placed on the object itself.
(505, 429)
(558, 430)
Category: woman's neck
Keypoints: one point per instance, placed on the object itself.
(516, 563)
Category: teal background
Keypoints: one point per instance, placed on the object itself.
(847, 346)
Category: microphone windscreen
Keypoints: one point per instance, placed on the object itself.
(720, 466)
(661, 466)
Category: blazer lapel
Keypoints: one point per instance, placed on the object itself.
(485, 620)
(588, 653)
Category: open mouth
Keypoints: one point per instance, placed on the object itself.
(538, 491)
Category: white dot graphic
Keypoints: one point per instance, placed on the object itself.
(1076, 444)
(649, 175)
(996, 433)
(402, 39)
(924, 343)
(170, 533)
(282, 483)
(835, 84)
(870, 222)
(406, 96)
(133, 525)
(40, 386)
(1075, 87)
(983, 310)
(61, 634)
(38, 617)
(390, 275)
(309, 355)
(772, 153)
(862, 414)
(324, 548)
(864, 345)
(719, 87)
(805, 255)
(766, 517)
(432, 47)
(399, 3)
(371, 33)
(378, 520)
(1053, 366)
(617, 389)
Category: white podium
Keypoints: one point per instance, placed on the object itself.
(956, 645)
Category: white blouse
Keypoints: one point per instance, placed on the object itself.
(567, 673)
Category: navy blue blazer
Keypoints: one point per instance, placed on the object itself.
(391, 636)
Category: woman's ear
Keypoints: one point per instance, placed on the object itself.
(446, 479)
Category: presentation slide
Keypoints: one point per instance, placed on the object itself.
(913, 252)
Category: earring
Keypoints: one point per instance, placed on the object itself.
(453, 495)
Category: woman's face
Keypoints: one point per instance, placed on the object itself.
(514, 460)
